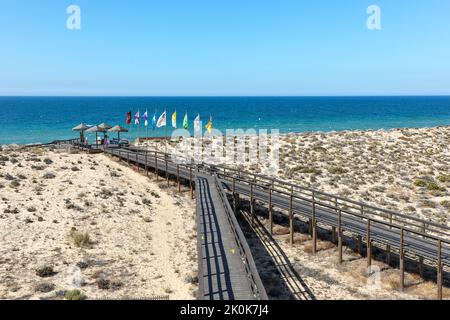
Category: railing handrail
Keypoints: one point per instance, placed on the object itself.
(252, 271)
(364, 205)
(332, 208)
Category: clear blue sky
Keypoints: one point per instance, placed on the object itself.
(224, 47)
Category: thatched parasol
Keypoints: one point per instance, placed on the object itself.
(118, 129)
(81, 128)
(96, 129)
(104, 126)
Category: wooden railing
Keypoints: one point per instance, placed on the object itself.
(244, 251)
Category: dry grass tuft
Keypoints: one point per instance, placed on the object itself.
(298, 238)
(81, 240)
(280, 231)
(321, 246)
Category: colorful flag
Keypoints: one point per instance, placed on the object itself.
(197, 125)
(154, 121)
(209, 125)
(129, 117)
(174, 119)
(185, 122)
(162, 120)
(136, 118)
(145, 118)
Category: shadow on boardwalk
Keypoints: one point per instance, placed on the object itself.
(281, 280)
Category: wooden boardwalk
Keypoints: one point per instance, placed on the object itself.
(220, 262)
(405, 236)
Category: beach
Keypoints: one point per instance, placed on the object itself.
(74, 225)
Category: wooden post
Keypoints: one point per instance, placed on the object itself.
(340, 236)
(156, 166)
(402, 261)
(314, 230)
(146, 168)
(270, 212)
(167, 171)
(388, 254)
(137, 163)
(333, 229)
(178, 178)
(190, 183)
(291, 221)
(333, 234)
(234, 195)
(359, 244)
(251, 199)
(369, 245)
(238, 202)
(439, 270)
(421, 258)
(310, 222)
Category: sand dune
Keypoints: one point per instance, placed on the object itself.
(84, 222)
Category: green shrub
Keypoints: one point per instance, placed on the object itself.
(14, 184)
(44, 287)
(81, 240)
(420, 183)
(433, 186)
(74, 295)
(303, 169)
(337, 170)
(45, 271)
(49, 175)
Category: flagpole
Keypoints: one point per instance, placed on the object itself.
(165, 129)
(131, 121)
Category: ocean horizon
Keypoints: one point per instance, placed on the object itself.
(40, 119)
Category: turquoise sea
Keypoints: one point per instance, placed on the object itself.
(44, 119)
